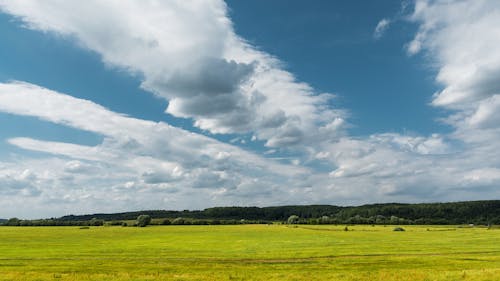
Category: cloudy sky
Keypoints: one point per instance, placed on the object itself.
(110, 106)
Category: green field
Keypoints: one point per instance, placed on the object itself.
(249, 252)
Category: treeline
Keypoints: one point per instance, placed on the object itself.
(137, 222)
(280, 213)
(478, 212)
(52, 222)
(470, 212)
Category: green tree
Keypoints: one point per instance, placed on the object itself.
(178, 221)
(394, 220)
(143, 220)
(13, 222)
(96, 222)
(325, 220)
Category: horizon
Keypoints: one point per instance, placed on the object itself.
(177, 105)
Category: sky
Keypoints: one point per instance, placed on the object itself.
(111, 106)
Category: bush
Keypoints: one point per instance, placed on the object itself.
(178, 221)
(293, 219)
(324, 220)
(398, 229)
(143, 220)
(214, 222)
(165, 222)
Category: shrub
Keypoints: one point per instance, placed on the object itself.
(165, 222)
(394, 220)
(143, 220)
(215, 222)
(293, 219)
(324, 220)
(178, 221)
(398, 229)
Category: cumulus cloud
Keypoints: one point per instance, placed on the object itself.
(188, 53)
(463, 38)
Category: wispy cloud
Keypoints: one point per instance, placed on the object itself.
(136, 155)
(381, 28)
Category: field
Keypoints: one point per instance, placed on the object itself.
(249, 252)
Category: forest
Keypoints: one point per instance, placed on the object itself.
(469, 212)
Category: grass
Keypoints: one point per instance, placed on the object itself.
(249, 252)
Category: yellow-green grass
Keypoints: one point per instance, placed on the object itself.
(249, 252)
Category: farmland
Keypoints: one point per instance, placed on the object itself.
(250, 252)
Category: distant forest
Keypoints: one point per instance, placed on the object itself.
(471, 212)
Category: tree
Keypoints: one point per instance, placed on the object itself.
(178, 221)
(324, 220)
(394, 220)
(143, 220)
(293, 219)
(13, 222)
(96, 222)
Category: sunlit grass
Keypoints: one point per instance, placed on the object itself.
(249, 252)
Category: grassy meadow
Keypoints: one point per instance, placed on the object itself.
(249, 252)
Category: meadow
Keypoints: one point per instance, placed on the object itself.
(250, 252)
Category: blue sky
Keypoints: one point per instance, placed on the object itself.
(191, 105)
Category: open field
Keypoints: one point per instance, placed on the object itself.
(249, 252)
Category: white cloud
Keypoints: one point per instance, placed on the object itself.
(463, 38)
(381, 28)
(18, 183)
(65, 149)
(187, 53)
(485, 176)
(146, 156)
(123, 134)
(486, 114)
